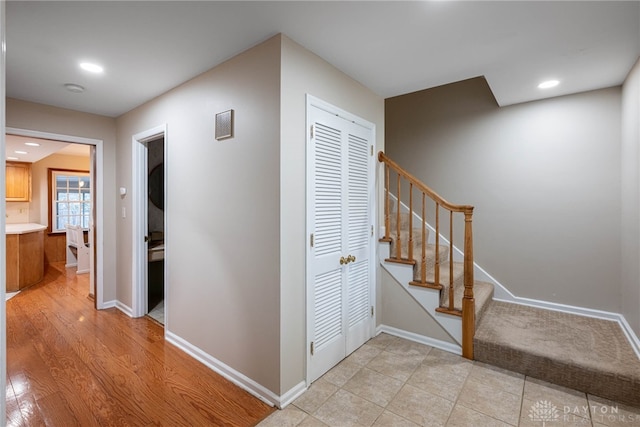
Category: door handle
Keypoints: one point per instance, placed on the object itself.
(347, 260)
(146, 238)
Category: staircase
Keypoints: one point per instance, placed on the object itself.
(418, 256)
(582, 353)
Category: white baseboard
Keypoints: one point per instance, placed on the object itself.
(234, 376)
(442, 345)
(107, 304)
(221, 368)
(123, 308)
(292, 394)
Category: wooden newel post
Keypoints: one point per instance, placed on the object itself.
(468, 302)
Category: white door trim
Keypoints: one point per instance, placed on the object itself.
(99, 186)
(139, 217)
(312, 101)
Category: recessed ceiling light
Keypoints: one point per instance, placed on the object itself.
(20, 152)
(91, 67)
(548, 84)
(32, 144)
(72, 87)
(12, 158)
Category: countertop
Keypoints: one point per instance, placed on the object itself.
(23, 228)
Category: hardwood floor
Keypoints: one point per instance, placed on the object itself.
(69, 364)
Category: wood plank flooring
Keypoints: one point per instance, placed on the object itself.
(71, 365)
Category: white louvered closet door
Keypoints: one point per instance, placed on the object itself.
(339, 217)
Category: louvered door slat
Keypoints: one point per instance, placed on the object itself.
(328, 307)
(328, 192)
(358, 293)
(358, 188)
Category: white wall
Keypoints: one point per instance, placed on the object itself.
(39, 205)
(17, 212)
(304, 72)
(544, 178)
(630, 289)
(44, 118)
(222, 251)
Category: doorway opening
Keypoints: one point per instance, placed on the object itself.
(42, 213)
(155, 229)
(149, 223)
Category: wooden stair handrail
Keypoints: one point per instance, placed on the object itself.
(420, 186)
(468, 302)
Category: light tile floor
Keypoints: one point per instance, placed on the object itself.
(157, 312)
(391, 381)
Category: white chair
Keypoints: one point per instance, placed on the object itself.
(77, 249)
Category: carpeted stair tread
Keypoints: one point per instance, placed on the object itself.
(483, 292)
(404, 221)
(582, 353)
(482, 295)
(458, 278)
(404, 241)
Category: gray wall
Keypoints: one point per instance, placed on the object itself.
(401, 311)
(630, 300)
(544, 178)
(222, 211)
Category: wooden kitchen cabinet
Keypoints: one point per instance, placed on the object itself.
(18, 180)
(25, 259)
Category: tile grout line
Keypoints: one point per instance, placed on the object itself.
(524, 383)
(403, 384)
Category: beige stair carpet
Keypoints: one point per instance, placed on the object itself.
(583, 353)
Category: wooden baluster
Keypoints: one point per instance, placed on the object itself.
(468, 301)
(451, 290)
(436, 274)
(410, 256)
(423, 273)
(398, 240)
(387, 224)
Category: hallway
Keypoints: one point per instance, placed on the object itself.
(68, 364)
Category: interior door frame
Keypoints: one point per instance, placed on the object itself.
(312, 101)
(139, 197)
(97, 175)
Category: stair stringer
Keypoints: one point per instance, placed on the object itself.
(429, 299)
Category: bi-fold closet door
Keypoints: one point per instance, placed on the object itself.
(339, 219)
